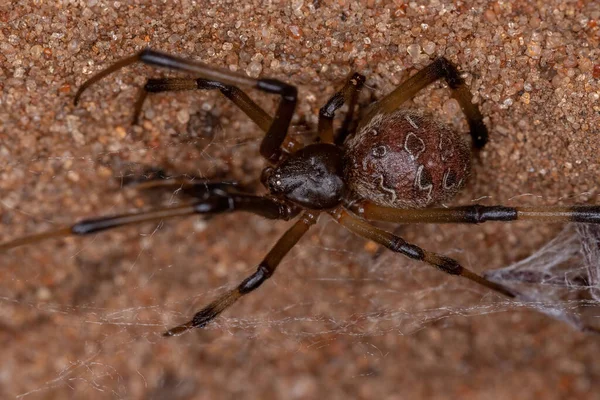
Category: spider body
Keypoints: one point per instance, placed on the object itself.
(402, 160)
(391, 168)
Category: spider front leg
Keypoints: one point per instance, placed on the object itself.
(439, 68)
(233, 93)
(212, 199)
(446, 264)
(270, 147)
(264, 271)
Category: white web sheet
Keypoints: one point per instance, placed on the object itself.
(562, 279)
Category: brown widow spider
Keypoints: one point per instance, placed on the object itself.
(389, 167)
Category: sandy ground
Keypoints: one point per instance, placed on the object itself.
(82, 317)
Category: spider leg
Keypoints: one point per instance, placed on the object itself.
(214, 201)
(196, 186)
(349, 122)
(189, 184)
(348, 94)
(439, 68)
(233, 93)
(264, 271)
(476, 213)
(149, 174)
(395, 243)
(271, 145)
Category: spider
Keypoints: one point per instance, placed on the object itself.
(391, 166)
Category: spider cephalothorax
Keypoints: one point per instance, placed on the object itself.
(312, 177)
(394, 165)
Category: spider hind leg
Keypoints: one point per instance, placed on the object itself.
(364, 229)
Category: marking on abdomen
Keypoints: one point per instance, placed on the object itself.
(453, 182)
(446, 149)
(419, 184)
(414, 152)
(410, 121)
(379, 151)
(387, 189)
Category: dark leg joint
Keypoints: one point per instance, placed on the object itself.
(449, 265)
(203, 191)
(288, 212)
(153, 57)
(230, 91)
(328, 110)
(205, 84)
(498, 213)
(287, 92)
(449, 72)
(146, 52)
(479, 133)
(477, 214)
(398, 245)
(337, 100)
(414, 252)
(155, 86)
(254, 280)
(168, 84)
(472, 214)
(91, 226)
(204, 317)
(216, 204)
(589, 214)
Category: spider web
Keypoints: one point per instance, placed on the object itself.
(562, 278)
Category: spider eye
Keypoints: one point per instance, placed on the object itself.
(281, 181)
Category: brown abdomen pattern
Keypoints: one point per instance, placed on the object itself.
(406, 160)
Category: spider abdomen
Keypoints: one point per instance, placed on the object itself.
(406, 160)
